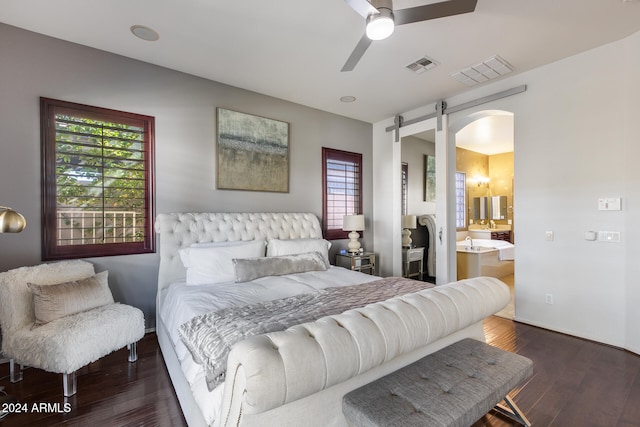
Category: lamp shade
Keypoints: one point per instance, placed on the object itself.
(353, 222)
(11, 221)
(409, 221)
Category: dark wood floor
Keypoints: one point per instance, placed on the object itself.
(111, 392)
(575, 383)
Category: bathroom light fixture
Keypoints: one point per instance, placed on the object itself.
(482, 180)
(144, 33)
(353, 223)
(409, 222)
(380, 25)
(11, 221)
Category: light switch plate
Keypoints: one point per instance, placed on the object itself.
(548, 235)
(609, 236)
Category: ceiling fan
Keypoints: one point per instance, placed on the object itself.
(381, 19)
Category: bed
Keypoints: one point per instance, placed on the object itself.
(296, 376)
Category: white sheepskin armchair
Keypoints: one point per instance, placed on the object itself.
(66, 344)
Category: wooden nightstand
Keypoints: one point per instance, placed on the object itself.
(410, 255)
(364, 262)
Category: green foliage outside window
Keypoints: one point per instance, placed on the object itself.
(100, 181)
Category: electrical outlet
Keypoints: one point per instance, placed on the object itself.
(548, 299)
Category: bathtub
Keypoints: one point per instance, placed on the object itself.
(493, 258)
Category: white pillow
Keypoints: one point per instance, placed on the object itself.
(277, 247)
(215, 264)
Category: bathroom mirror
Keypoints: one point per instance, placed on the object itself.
(499, 207)
(480, 208)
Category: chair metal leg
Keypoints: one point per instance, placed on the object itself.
(69, 384)
(133, 351)
(512, 411)
(15, 375)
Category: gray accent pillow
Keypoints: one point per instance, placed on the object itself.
(253, 268)
(51, 302)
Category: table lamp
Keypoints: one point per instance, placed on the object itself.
(409, 222)
(353, 224)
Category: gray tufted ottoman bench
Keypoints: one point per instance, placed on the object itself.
(455, 386)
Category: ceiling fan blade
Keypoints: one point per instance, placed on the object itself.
(433, 11)
(357, 53)
(362, 7)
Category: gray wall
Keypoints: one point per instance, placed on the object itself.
(184, 106)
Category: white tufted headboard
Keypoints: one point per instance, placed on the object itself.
(180, 230)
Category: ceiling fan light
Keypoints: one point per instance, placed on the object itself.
(380, 25)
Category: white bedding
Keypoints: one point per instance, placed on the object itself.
(179, 303)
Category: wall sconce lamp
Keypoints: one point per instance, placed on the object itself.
(409, 222)
(353, 224)
(11, 221)
(482, 180)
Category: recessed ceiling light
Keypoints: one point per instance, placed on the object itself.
(144, 33)
(348, 98)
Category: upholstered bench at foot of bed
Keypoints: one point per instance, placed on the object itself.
(455, 386)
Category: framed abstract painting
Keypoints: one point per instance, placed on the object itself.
(252, 152)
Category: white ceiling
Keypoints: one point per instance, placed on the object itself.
(294, 50)
(488, 135)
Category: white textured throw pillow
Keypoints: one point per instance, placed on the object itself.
(51, 302)
(277, 247)
(207, 265)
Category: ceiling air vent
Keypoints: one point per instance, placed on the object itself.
(488, 69)
(421, 65)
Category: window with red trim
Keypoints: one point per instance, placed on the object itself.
(97, 181)
(341, 189)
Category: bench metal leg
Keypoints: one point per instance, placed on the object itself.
(15, 375)
(69, 384)
(512, 411)
(133, 351)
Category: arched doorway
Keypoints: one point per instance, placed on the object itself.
(484, 142)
